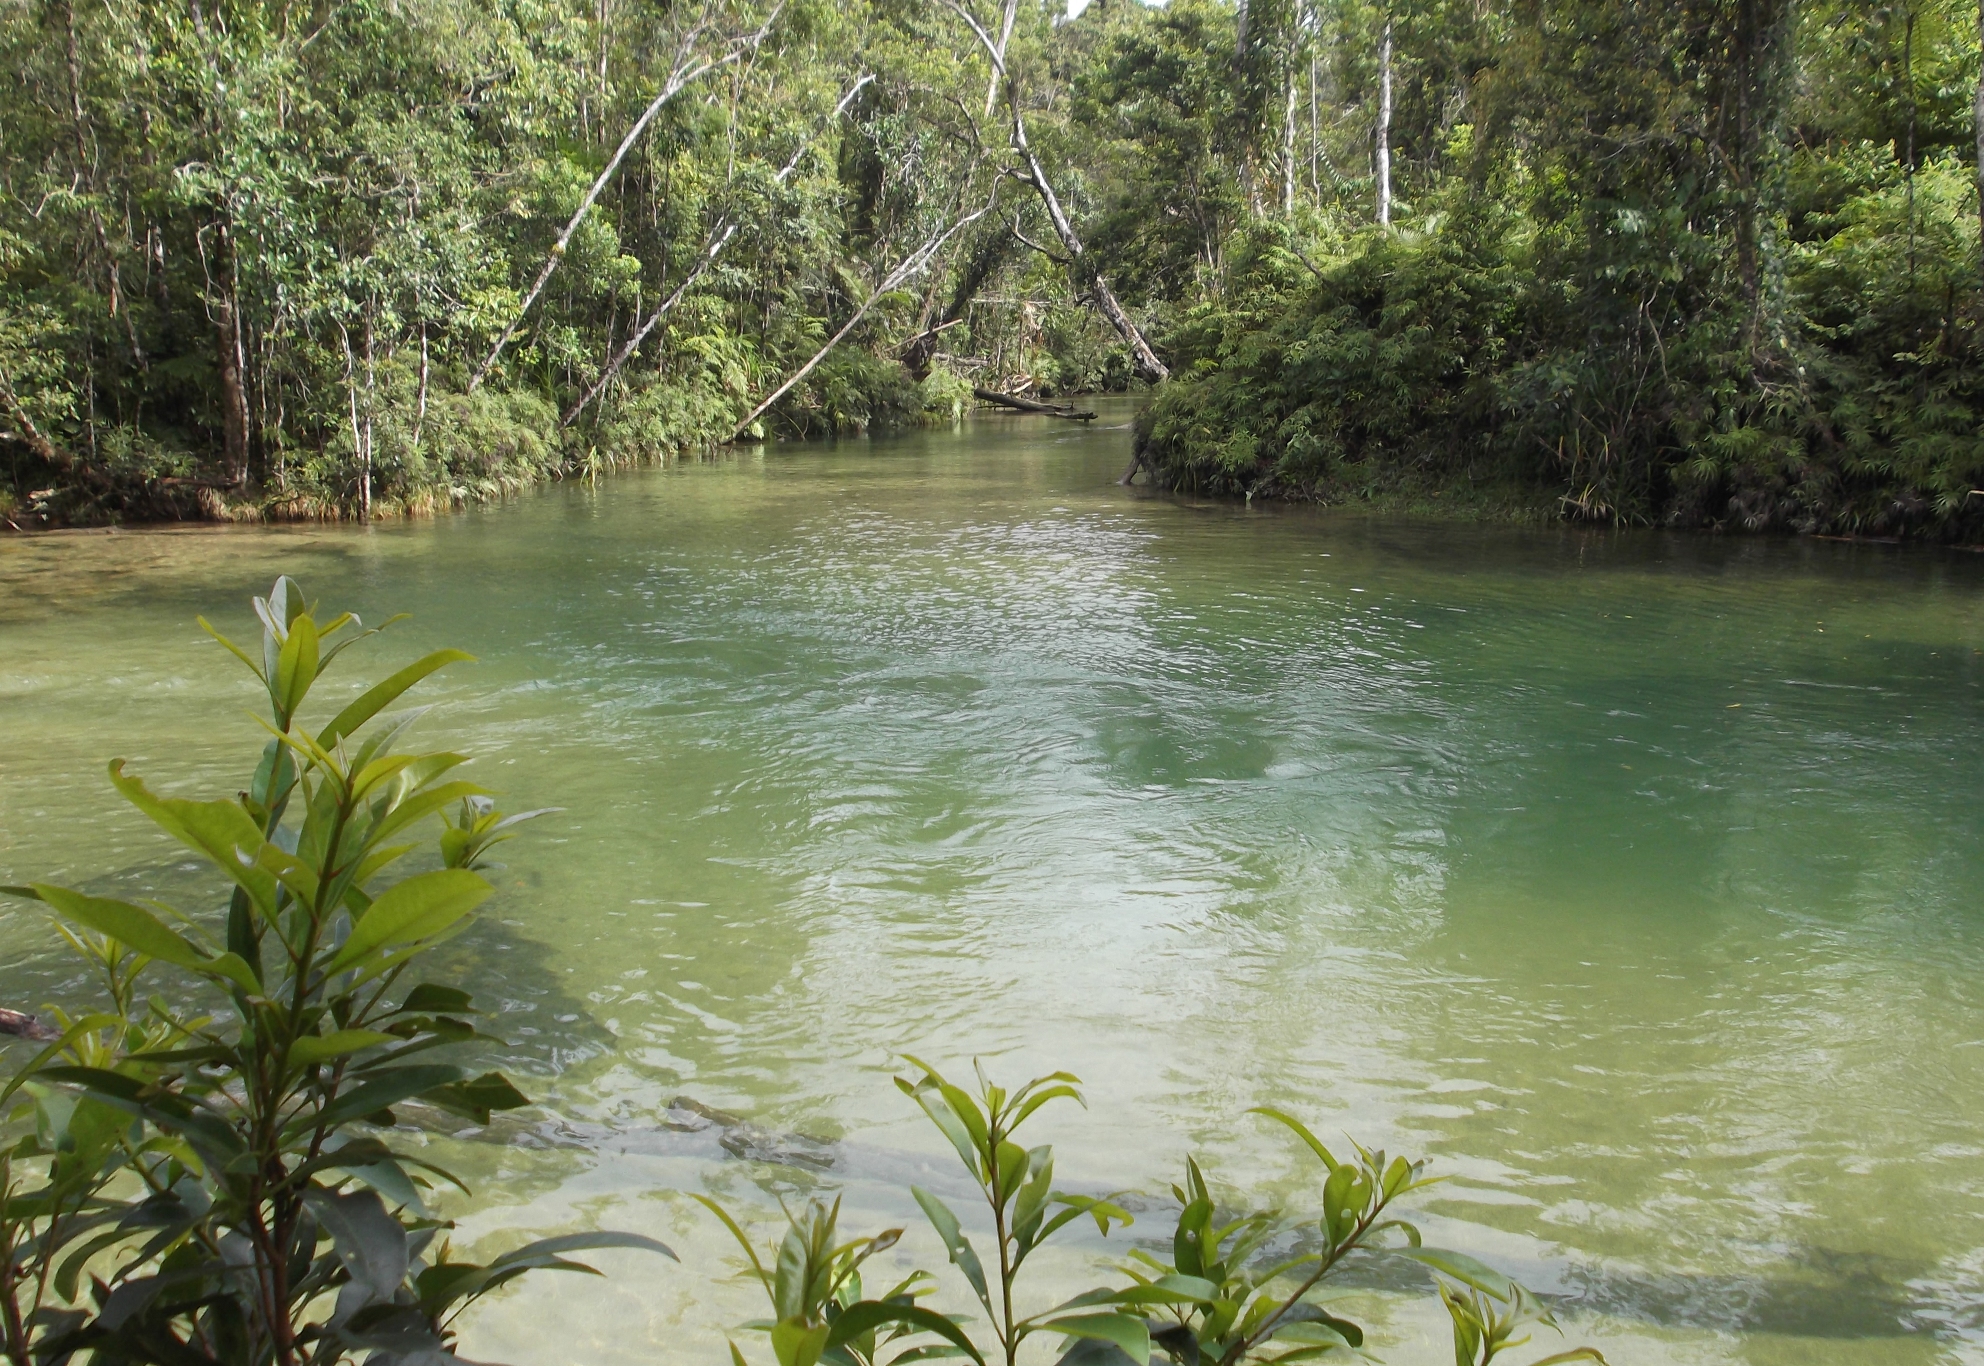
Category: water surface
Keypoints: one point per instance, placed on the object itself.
(1634, 879)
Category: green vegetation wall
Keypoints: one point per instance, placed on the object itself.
(1703, 262)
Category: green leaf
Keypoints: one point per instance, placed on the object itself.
(476, 1099)
(137, 928)
(131, 925)
(234, 649)
(210, 1135)
(223, 831)
(583, 1242)
(955, 1243)
(867, 1315)
(1312, 1333)
(930, 1095)
(296, 668)
(370, 1242)
(382, 694)
(1132, 1335)
(381, 1091)
(1301, 1132)
(795, 1344)
(429, 999)
(415, 909)
(1170, 1290)
(1578, 1354)
(318, 1048)
(1463, 1269)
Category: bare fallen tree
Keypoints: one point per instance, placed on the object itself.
(713, 247)
(688, 67)
(1087, 278)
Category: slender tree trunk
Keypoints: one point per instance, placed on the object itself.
(371, 402)
(1315, 140)
(232, 360)
(1288, 130)
(1747, 40)
(420, 401)
(1977, 131)
(1240, 31)
(85, 166)
(1385, 125)
(1908, 78)
(1005, 41)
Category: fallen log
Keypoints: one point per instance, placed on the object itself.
(1027, 405)
(25, 1026)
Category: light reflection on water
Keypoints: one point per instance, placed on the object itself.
(1633, 878)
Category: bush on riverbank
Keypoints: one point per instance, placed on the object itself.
(1457, 356)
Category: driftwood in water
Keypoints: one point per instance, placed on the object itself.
(24, 1026)
(1027, 405)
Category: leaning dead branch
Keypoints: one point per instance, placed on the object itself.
(713, 247)
(687, 68)
(1086, 277)
(907, 269)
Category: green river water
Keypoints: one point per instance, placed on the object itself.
(1634, 879)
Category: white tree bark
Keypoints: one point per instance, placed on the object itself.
(713, 246)
(687, 68)
(1385, 125)
(1288, 131)
(1142, 358)
(907, 269)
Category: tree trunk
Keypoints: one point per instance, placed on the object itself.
(233, 362)
(719, 238)
(1977, 128)
(991, 252)
(1144, 360)
(1385, 125)
(1288, 128)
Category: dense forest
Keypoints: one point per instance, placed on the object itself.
(1686, 262)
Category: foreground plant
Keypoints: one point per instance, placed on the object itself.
(220, 1189)
(1231, 1292)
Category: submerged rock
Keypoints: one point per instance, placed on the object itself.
(741, 1138)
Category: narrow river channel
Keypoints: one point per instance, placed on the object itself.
(1637, 880)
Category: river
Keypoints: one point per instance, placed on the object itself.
(1634, 879)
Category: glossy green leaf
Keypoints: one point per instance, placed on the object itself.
(380, 1091)
(1462, 1268)
(223, 831)
(955, 1243)
(1130, 1334)
(868, 1315)
(584, 1242)
(316, 1048)
(296, 668)
(409, 911)
(128, 924)
(1300, 1130)
(383, 694)
(798, 1344)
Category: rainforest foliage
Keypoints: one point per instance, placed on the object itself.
(1704, 262)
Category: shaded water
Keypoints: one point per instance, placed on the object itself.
(1633, 878)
